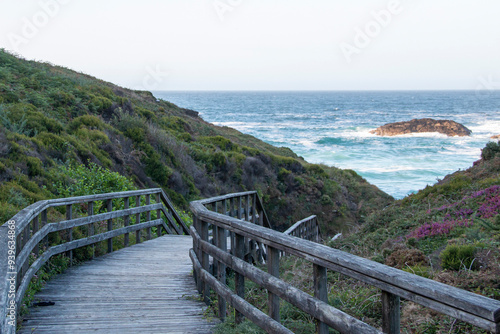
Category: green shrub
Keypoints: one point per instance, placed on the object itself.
(456, 257)
(15, 122)
(52, 141)
(326, 200)
(89, 121)
(34, 166)
(218, 141)
(283, 173)
(174, 123)
(38, 122)
(316, 170)
(99, 103)
(490, 151)
(419, 270)
(80, 180)
(145, 112)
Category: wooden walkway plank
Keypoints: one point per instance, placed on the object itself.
(145, 288)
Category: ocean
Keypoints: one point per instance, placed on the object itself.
(333, 128)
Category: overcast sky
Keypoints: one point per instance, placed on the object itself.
(263, 44)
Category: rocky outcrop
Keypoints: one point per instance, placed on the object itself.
(496, 137)
(447, 127)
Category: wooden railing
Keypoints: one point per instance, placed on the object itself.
(28, 233)
(460, 304)
(307, 229)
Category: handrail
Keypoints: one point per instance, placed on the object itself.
(460, 304)
(29, 229)
(307, 228)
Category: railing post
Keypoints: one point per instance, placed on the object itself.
(273, 268)
(36, 227)
(197, 250)
(239, 215)
(158, 216)
(91, 229)
(44, 222)
(239, 280)
(110, 225)
(148, 217)
(320, 292)
(247, 208)
(138, 220)
(126, 221)
(390, 313)
(69, 231)
(204, 259)
(254, 208)
(26, 237)
(222, 244)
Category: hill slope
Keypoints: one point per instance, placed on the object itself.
(449, 232)
(53, 120)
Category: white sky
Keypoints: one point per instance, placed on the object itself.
(262, 44)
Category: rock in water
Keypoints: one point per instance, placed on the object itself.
(496, 137)
(447, 127)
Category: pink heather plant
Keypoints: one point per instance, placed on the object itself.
(459, 214)
(436, 228)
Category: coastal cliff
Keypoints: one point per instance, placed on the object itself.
(57, 125)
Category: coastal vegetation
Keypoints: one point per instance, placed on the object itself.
(64, 133)
(54, 120)
(449, 232)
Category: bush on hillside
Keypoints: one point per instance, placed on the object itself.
(490, 151)
(457, 257)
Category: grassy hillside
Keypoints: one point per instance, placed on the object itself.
(449, 232)
(54, 120)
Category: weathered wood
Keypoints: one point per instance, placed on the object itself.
(204, 259)
(478, 310)
(54, 250)
(318, 309)
(221, 270)
(126, 221)
(148, 217)
(43, 218)
(251, 312)
(145, 288)
(27, 221)
(109, 207)
(390, 313)
(171, 221)
(239, 279)
(138, 220)
(91, 229)
(158, 216)
(273, 268)
(24, 217)
(69, 231)
(305, 229)
(63, 225)
(36, 227)
(166, 201)
(321, 293)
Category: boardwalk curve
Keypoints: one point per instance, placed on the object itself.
(145, 288)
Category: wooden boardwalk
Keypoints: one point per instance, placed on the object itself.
(145, 288)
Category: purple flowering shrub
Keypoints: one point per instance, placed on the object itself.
(481, 204)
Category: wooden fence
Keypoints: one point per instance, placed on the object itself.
(394, 284)
(307, 229)
(28, 232)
